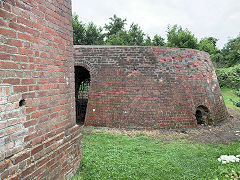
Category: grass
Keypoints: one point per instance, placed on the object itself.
(228, 95)
(108, 156)
(112, 156)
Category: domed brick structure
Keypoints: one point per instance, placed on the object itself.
(149, 87)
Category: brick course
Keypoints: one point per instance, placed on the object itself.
(40, 139)
(149, 87)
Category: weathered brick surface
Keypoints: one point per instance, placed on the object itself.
(149, 87)
(39, 140)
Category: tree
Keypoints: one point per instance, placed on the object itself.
(94, 35)
(231, 52)
(86, 34)
(135, 35)
(118, 39)
(208, 45)
(158, 41)
(177, 37)
(148, 41)
(116, 34)
(132, 37)
(79, 31)
(115, 26)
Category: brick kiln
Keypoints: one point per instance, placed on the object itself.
(149, 87)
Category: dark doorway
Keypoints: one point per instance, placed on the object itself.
(82, 86)
(202, 115)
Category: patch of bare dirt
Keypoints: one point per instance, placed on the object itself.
(227, 131)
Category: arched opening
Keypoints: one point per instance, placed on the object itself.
(202, 115)
(82, 86)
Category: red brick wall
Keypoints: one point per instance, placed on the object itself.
(39, 139)
(149, 87)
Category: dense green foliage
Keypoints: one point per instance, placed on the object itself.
(78, 30)
(108, 156)
(229, 77)
(208, 45)
(133, 37)
(157, 41)
(231, 52)
(238, 92)
(86, 34)
(177, 37)
(237, 103)
(115, 26)
(115, 34)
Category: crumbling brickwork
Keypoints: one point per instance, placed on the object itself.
(150, 87)
(39, 138)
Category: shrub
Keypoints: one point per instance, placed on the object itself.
(238, 92)
(236, 102)
(229, 77)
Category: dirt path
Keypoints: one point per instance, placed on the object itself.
(227, 131)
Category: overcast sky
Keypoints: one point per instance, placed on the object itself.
(217, 18)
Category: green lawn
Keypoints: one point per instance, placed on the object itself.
(108, 156)
(228, 94)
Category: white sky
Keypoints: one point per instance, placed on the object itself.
(217, 18)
